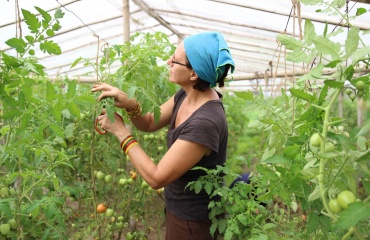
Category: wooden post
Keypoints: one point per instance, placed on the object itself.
(126, 20)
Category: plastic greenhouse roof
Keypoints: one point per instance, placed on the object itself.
(250, 27)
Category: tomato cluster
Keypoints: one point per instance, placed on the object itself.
(6, 227)
(342, 201)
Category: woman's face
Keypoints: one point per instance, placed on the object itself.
(180, 73)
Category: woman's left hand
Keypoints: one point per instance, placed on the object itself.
(117, 128)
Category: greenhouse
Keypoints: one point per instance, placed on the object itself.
(125, 119)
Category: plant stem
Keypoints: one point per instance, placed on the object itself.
(320, 176)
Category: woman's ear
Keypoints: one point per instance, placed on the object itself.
(193, 75)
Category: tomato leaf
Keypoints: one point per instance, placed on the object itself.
(71, 92)
(302, 95)
(327, 47)
(76, 62)
(50, 47)
(73, 109)
(334, 84)
(360, 11)
(18, 43)
(309, 31)
(248, 95)
(290, 42)
(50, 91)
(355, 213)
(31, 20)
(157, 114)
(277, 159)
(352, 41)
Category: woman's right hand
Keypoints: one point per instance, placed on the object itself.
(121, 99)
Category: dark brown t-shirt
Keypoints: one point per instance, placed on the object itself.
(207, 126)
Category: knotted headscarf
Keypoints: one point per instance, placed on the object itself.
(208, 54)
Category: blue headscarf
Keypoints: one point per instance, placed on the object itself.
(208, 54)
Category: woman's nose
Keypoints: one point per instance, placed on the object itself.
(169, 62)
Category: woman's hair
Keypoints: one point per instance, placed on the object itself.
(202, 85)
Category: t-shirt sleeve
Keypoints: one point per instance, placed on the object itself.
(202, 131)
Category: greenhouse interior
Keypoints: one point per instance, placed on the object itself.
(75, 74)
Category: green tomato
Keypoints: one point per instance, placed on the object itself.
(146, 137)
(315, 140)
(352, 96)
(123, 181)
(82, 116)
(345, 198)
(160, 149)
(108, 178)
(4, 191)
(119, 225)
(109, 212)
(144, 184)
(129, 236)
(360, 94)
(329, 147)
(348, 91)
(334, 206)
(5, 229)
(12, 223)
(360, 85)
(130, 181)
(100, 175)
(120, 218)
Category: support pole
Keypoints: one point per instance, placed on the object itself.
(126, 20)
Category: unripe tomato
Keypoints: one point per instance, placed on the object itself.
(144, 184)
(129, 236)
(120, 218)
(100, 175)
(360, 94)
(160, 149)
(12, 223)
(315, 140)
(119, 225)
(5, 229)
(130, 181)
(329, 147)
(352, 96)
(348, 91)
(122, 181)
(108, 178)
(101, 208)
(4, 191)
(360, 85)
(109, 212)
(334, 206)
(345, 198)
(146, 137)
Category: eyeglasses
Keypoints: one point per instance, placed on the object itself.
(182, 64)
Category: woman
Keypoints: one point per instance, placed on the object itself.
(197, 133)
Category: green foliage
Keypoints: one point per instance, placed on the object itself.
(50, 151)
(292, 177)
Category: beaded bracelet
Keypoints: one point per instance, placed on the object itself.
(128, 143)
(136, 111)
